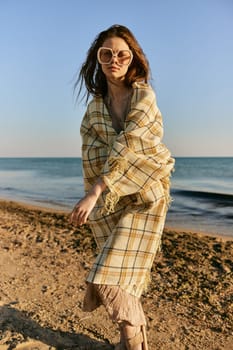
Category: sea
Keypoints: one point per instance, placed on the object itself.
(201, 189)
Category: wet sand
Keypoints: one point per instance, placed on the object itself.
(43, 264)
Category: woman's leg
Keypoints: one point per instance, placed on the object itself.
(133, 337)
(123, 308)
(126, 310)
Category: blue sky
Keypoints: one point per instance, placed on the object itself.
(44, 42)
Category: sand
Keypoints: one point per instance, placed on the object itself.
(43, 264)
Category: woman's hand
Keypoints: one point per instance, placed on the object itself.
(84, 207)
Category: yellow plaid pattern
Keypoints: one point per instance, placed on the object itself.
(129, 217)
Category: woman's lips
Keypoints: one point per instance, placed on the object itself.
(114, 68)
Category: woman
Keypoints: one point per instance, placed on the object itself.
(126, 176)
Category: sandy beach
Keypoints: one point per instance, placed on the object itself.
(44, 261)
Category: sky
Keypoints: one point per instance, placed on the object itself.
(44, 42)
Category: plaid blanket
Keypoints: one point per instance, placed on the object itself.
(128, 219)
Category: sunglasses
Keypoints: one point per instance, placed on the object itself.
(105, 56)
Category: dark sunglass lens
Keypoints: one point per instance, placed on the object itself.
(105, 55)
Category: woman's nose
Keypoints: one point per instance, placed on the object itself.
(114, 58)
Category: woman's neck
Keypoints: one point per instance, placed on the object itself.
(118, 91)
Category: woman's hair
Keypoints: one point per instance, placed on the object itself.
(91, 72)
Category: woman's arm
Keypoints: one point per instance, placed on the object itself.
(84, 207)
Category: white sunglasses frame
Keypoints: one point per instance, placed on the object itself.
(114, 55)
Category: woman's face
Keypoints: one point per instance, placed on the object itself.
(115, 70)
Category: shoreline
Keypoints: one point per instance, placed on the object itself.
(50, 209)
(44, 262)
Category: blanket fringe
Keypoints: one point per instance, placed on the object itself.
(110, 202)
(117, 166)
(147, 282)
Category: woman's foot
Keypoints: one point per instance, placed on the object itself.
(121, 345)
(132, 338)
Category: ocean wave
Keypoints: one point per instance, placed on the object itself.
(221, 198)
(12, 190)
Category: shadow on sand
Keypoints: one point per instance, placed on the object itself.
(13, 321)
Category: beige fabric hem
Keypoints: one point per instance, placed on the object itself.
(120, 305)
